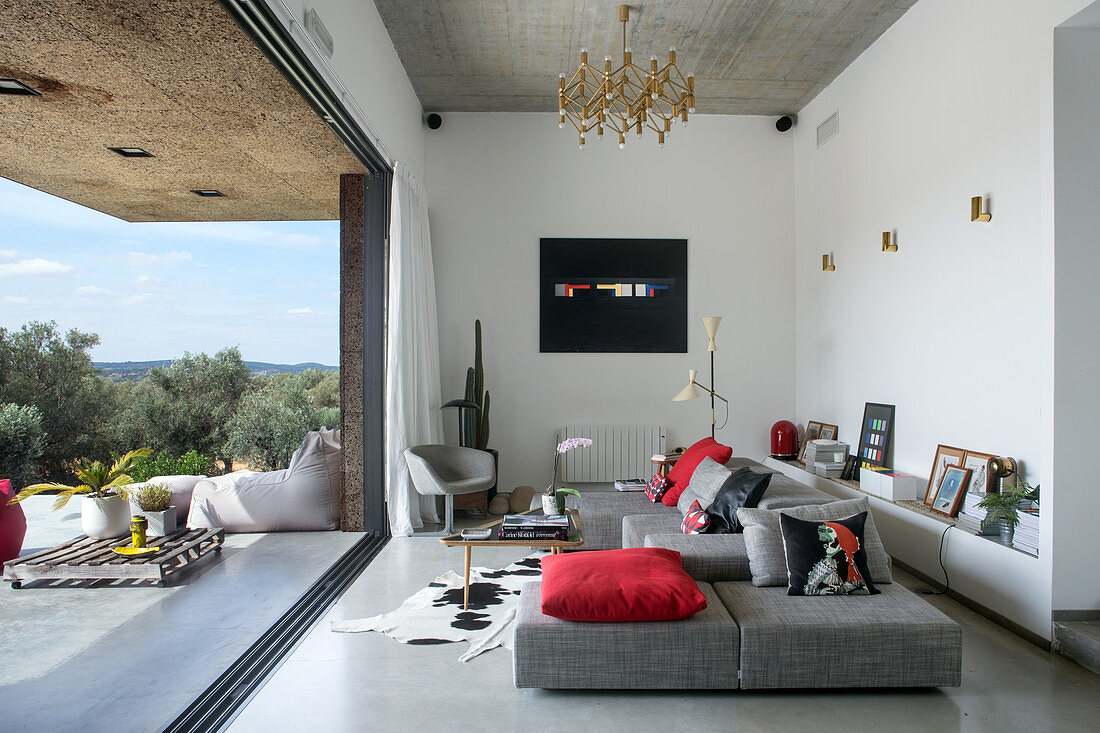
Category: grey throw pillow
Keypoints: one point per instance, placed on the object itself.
(708, 478)
(764, 539)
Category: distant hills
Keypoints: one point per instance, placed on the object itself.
(132, 371)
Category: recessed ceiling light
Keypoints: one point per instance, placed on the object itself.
(131, 152)
(14, 86)
(206, 192)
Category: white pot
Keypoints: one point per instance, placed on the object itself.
(548, 505)
(105, 518)
(160, 523)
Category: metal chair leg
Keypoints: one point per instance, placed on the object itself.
(449, 514)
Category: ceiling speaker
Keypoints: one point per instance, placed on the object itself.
(434, 120)
(785, 122)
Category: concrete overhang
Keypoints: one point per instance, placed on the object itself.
(179, 79)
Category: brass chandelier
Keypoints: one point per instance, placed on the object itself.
(627, 98)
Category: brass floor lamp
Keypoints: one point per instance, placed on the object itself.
(694, 388)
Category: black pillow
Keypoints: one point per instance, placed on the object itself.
(744, 488)
(826, 558)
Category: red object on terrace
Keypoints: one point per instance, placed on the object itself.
(784, 438)
(13, 525)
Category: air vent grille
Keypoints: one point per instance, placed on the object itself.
(828, 129)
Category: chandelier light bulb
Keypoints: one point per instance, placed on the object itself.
(622, 146)
(683, 123)
(660, 146)
(561, 125)
(691, 110)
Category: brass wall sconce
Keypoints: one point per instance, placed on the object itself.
(827, 263)
(976, 210)
(889, 242)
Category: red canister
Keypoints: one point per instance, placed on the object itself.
(784, 440)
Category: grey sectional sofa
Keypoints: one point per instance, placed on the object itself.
(748, 637)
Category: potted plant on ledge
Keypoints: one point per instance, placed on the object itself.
(1004, 508)
(104, 510)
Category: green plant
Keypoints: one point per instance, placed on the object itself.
(22, 441)
(191, 463)
(1005, 506)
(477, 423)
(153, 497)
(98, 479)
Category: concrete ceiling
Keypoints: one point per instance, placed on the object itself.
(750, 57)
(177, 78)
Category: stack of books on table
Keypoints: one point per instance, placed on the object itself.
(630, 484)
(534, 527)
(972, 517)
(1026, 536)
(826, 457)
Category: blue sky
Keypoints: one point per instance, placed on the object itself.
(153, 291)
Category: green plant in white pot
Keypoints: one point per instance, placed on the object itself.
(1004, 508)
(154, 502)
(104, 509)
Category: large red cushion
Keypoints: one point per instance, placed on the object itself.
(680, 475)
(637, 584)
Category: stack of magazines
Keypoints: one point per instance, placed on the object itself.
(972, 517)
(826, 457)
(534, 527)
(1026, 536)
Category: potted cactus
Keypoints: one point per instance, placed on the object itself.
(154, 502)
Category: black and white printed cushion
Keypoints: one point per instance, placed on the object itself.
(656, 488)
(826, 558)
(696, 520)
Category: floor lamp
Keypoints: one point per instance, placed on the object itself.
(693, 388)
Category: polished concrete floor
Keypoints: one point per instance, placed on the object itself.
(369, 682)
(119, 657)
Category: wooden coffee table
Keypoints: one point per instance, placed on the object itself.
(575, 538)
(84, 558)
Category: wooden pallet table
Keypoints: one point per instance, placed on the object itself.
(84, 558)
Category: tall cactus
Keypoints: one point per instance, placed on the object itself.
(477, 424)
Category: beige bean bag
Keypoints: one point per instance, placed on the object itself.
(305, 496)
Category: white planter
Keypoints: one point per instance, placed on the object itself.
(105, 518)
(160, 523)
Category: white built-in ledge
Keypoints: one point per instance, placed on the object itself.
(921, 515)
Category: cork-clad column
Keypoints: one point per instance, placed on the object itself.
(352, 192)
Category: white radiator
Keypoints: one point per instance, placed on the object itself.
(618, 451)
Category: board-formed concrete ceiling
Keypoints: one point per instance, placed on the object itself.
(751, 57)
(177, 78)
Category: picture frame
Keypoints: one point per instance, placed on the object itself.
(951, 491)
(875, 433)
(977, 463)
(813, 431)
(946, 455)
(828, 432)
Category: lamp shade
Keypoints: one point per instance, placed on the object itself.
(711, 323)
(689, 392)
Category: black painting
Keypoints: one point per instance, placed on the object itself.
(613, 295)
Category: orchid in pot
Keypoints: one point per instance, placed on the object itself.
(104, 509)
(554, 500)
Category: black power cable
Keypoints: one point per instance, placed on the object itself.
(946, 579)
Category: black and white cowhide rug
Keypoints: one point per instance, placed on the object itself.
(434, 615)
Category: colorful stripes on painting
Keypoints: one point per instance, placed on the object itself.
(650, 289)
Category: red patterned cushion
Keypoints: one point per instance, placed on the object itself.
(696, 520)
(656, 488)
(680, 475)
(636, 584)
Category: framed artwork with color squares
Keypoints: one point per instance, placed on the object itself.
(874, 434)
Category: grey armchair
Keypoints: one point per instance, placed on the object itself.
(446, 470)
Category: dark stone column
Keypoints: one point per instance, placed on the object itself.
(352, 200)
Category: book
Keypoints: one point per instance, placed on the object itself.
(665, 456)
(542, 534)
(630, 484)
(535, 520)
(536, 527)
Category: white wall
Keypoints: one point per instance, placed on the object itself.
(499, 182)
(1076, 581)
(367, 65)
(951, 102)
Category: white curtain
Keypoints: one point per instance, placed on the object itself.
(412, 353)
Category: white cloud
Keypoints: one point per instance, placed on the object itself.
(14, 300)
(253, 234)
(8, 255)
(92, 290)
(34, 268)
(304, 311)
(168, 259)
(143, 279)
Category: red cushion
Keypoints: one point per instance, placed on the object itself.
(637, 584)
(680, 475)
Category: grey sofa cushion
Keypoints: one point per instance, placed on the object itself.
(764, 540)
(704, 485)
(698, 652)
(637, 526)
(784, 491)
(707, 557)
(602, 515)
(894, 639)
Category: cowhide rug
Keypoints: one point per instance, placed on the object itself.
(434, 615)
